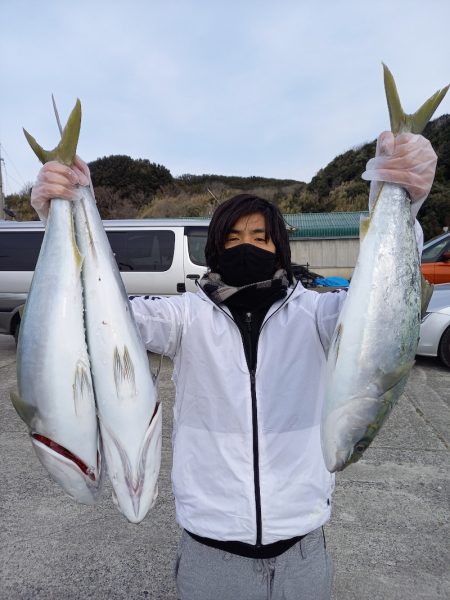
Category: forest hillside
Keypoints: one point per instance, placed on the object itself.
(138, 188)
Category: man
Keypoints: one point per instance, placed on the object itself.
(249, 351)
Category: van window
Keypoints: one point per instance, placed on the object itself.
(143, 250)
(196, 244)
(19, 250)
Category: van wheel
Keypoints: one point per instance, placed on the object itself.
(444, 348)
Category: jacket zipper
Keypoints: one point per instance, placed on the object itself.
(248, 322)
(252, 370)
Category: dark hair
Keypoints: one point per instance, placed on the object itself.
(226, 215)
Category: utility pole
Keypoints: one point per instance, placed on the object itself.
(2, 198)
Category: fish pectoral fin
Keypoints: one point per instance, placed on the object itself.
(426, 293)
(83, 393)
(124, 376)
(387, 381)
(25, 411)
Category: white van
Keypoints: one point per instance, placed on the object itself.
(155, 257)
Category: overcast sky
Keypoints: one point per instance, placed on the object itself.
(268, 88)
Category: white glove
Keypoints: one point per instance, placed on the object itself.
(56, 180)
(406, 159)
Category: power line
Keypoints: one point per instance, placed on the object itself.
(9, 177)
(11, 162)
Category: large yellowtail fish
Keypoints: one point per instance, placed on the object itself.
(375, 340)
(128, 411)
(56, 397)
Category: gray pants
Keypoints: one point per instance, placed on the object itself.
(303, 572)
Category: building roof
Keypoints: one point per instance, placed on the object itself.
(324, 225)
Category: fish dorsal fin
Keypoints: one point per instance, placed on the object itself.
(402, 122)
(66, 149)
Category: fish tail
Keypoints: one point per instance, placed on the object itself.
(66, 149)
(402, 122)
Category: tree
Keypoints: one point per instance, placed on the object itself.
(128, 176)
(19, 204)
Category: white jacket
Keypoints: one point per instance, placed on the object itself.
(213, 470)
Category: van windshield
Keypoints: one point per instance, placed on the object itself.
(196, 237)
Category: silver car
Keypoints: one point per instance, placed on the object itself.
(435, 327)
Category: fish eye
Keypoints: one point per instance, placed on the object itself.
(360, 447)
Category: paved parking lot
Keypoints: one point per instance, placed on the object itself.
(389, 534)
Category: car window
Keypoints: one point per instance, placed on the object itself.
(433, 252)
(196, 244)
(19, 250)
(144, 250)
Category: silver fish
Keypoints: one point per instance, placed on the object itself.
(128, 411)
(56, 397)
(375, 340)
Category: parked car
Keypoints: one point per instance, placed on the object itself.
(435, 327)
(155, 256)
(436, 259)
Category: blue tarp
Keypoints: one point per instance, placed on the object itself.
(331, 281)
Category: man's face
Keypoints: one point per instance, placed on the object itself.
(250, 229)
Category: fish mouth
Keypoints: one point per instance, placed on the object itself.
(134, 482)
(66, 454)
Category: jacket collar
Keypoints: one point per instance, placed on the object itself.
(293, 292)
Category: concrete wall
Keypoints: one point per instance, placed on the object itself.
(327, 257)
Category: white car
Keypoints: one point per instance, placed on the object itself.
(435, 327)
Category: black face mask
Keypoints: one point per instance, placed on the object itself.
(245, 263)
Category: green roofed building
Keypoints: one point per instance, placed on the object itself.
(327, 242)
(324, 225)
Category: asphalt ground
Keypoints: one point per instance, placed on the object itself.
(388, 536)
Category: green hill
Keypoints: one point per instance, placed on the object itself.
(130, 188)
